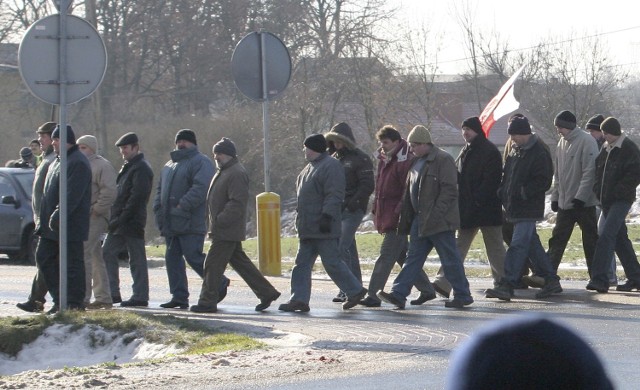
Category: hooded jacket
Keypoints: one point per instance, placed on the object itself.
(179, 204)
(358, 168)
(390, 182)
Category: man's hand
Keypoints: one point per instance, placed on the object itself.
(554, 206)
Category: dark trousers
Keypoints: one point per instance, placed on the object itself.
(48, 260)
(585, 217)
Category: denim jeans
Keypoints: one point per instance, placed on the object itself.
(308, 251)
(525, 243)
(494, 245)
(419, 249)
(181, 248)
(113, 245)
(394, 250)
(613, 272)
(585, 217)
(351, 220)
(614, 237)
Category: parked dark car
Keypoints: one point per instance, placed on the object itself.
(16, 215)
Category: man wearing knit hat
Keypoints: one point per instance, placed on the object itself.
(103, 193)
(227, 221)
(358, 170)
(617, 176)
(127, 222)
(36, 300)
(78, 207)
(572, 194)
(179, 206)
(430, 215)
(320, 195)
(479, 174)
(528, 173)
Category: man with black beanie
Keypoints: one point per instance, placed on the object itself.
(180, 206)
(617, 176)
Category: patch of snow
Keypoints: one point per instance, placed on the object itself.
(60, 346)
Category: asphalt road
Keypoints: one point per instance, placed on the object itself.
(417, 342)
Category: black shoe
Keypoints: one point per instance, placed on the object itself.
(76, 307)
(628, 286)
(203, 309)
(440, 290)
(294, 306)
(501, 292)
(549, 289)
(54, 309)
(370, 302)
(223, 290)
(392, 299)
(601, 288)
(134, 303)
(265, 303)
(173, 304)
(31, 306)
(116, 299)
(456, 303)
(354, 300)
(424, 297)
(520, 285)
(340, 298)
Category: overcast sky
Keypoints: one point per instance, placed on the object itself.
(525, 23)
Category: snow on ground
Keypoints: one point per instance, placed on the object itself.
(60, 346)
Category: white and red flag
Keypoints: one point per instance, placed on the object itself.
(501, 104)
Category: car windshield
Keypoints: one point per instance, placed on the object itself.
(26, 182)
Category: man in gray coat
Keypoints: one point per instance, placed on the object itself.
(179, 207)
(227, 212)
(320, 188)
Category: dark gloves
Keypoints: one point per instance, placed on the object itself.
(577, 203)
(554, 206)
(325, 223)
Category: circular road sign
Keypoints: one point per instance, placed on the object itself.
(246, 65)
(39, 59)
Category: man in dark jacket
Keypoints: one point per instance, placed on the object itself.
(78, 211)
(528, 172)
(320, 193)
(617, 176)
(227, 212)
(180, 210)
(430, 216)
(479, 174)
(358, 171)
(36, 300)
(127, 222)
(394, 161)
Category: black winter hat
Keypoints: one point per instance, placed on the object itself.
(611, 126)
(127, 139)
(519, 125)
(595, 122)
(25, 152)
(566, 120)
(187, 135)
(71, 137)
(225, 146)
(474, 124)
(316, 142)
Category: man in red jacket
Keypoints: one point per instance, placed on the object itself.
(394, 161)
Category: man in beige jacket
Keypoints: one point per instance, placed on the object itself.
(103, 193)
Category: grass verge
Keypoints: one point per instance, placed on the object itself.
(193, 337)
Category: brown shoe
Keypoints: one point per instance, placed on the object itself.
(99, 306)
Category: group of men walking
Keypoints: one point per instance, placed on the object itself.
(423, 199)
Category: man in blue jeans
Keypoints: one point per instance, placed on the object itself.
(528, 172)
(617, 176)
(430, 216)
(359, 184)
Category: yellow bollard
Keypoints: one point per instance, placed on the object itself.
(268, 211)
